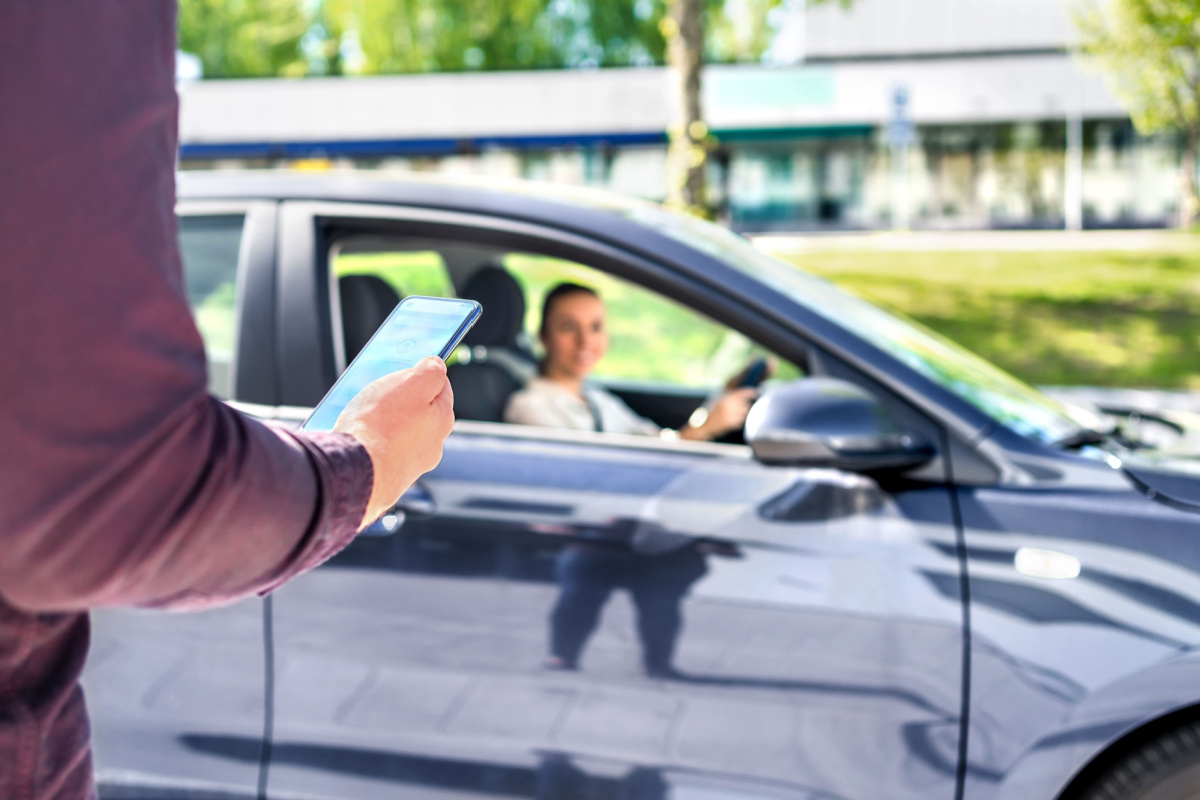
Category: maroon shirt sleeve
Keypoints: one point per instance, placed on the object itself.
(121, 480)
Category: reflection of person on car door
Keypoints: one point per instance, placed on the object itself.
(575, 339)
(588, 572)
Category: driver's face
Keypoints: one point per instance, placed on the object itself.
(575, 337)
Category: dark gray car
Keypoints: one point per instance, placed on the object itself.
(911, 577)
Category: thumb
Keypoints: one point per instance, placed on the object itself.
(431, 364)
(428, 377)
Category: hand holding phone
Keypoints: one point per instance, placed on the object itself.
(402, 420)
(417, 328)
(395, 399)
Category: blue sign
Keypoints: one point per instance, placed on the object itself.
(901, 130)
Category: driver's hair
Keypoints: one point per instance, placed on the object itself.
(561, 290)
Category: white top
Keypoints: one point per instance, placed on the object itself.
(551, 405)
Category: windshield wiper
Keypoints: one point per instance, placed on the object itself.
(1087, 436)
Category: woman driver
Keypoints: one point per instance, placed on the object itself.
(575, 339)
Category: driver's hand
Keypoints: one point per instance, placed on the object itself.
(402, 420)
(727, 414)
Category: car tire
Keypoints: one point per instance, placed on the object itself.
(1166, 768)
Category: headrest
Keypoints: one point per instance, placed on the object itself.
(503, 307)
(366, 302)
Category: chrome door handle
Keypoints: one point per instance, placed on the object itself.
(416, 502)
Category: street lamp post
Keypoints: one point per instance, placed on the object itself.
(900, 136)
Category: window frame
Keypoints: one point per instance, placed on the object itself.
(307, 227)
(333, 220)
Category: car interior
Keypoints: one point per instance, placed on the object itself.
(373, 273)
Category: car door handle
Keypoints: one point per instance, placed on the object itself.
(416, 502)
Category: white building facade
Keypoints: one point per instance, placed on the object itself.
(921, 113)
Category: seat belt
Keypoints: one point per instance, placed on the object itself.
(597, 421)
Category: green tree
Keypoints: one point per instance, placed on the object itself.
(245, 38)
(237, 38)
(407, 36)
(699, 31)
(1150, 50)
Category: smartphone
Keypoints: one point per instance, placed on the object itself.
(418, 327)
(755, 374)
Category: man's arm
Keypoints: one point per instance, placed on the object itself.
(121, 481)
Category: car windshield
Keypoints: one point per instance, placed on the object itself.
(1011, 402)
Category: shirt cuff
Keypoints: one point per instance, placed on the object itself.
(345, 477)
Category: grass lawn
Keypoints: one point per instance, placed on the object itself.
(1127, 319)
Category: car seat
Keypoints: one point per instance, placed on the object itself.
(499, 360)
(366, 301)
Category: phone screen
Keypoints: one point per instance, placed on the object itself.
(418, 327)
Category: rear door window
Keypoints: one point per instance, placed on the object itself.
(210, 247)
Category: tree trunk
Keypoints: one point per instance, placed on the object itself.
(1189, 198)
(687, 151)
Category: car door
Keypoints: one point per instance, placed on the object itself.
(172, 696)
(816, 657)
(763, 632)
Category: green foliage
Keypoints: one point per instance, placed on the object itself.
(1151, 51)
(245, 38)
(741, 31)
(744, 37)
(264, 38)
(405, 36)
(419, 272)
(1063, 318)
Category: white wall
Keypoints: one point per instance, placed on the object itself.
(879, 27)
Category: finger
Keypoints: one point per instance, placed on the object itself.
(448, 393)
(432, 363)
(427, 379)
(444, 401)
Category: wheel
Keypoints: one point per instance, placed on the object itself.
(1166, 768)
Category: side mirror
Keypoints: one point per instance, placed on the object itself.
(823, 422)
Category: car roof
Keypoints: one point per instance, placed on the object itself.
(547, 203)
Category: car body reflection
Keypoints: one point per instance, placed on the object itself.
(785, 608)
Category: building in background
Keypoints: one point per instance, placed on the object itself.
(921, 113)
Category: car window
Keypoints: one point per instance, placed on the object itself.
(409, 272)
(372, 277)
(209, 246)
(663, 357)
(651, 338)
(991, 390)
